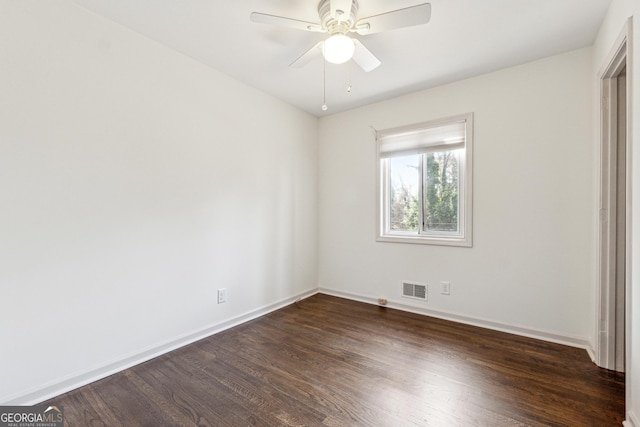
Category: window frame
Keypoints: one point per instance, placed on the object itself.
(464, 238)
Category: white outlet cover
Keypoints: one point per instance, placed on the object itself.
(222, 296)
(445, 288)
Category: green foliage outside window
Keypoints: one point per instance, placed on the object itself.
(405, 207)
(440, 187)
(441, 191)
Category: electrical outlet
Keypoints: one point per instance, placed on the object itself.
(222, 295)
(445, 288)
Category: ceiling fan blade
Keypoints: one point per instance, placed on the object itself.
(364, 58)
(281, 21)
(308, 56)
(341, 8)
(415, 15)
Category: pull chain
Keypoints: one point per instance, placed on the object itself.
(324, 85)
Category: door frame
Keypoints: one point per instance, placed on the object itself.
(619, 57)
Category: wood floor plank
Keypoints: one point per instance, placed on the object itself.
(327, 361)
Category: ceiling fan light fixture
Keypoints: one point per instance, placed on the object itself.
(338, 49)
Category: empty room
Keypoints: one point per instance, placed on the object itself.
(319, 213)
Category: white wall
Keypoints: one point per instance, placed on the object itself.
(531, 268)
(134, 182)
(619, 12)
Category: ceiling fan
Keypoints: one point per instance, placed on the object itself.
(337, 18)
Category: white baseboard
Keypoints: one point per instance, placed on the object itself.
(483, 323)
(591, 352)
(79, 379)
(631, 421)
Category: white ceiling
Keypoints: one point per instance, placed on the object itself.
(464, 38)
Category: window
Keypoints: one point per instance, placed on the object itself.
(424, 181)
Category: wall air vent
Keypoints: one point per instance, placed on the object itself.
(414, 290)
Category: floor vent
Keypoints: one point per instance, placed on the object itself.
(414, 290)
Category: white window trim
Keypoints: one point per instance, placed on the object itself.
(465, 237)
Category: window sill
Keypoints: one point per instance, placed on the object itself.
(423, 240)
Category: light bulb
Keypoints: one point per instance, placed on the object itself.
(324, 107)
(338, 49)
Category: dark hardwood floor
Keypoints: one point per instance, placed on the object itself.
(327, 361)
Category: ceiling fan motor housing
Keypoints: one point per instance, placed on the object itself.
(342, 22)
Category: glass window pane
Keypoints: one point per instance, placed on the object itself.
(441, 189)
(404, 192)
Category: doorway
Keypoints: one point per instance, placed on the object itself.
(614, 210)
